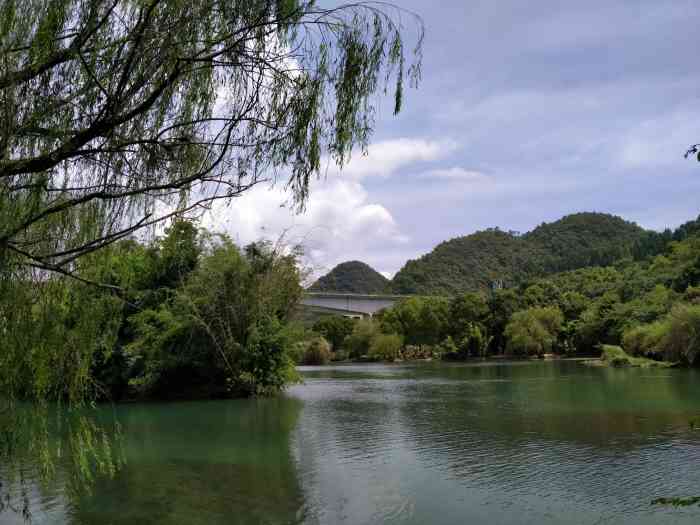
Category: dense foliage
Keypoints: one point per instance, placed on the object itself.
(335, 329)
(533, 332)
(476, 261)
(352, 277)
(119, 113)
(650, 307)
(196, 316)
(317, 351)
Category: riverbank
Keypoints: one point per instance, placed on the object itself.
(615, 356)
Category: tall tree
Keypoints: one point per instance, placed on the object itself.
(117, 114)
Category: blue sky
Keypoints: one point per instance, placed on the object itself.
(527, 111)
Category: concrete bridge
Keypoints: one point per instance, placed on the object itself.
(347, 304)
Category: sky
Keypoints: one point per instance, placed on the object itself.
(527, 111)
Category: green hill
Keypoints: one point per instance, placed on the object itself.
(352, 277)
(585, 239)
(474, 261)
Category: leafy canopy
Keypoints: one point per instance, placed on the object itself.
(118, 113)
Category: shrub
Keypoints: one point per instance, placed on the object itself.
(385, 347)
(334, 328)
(359, 341)
(318, 352)
(645, 340)
(447, 349)
(681, 341)
(616, 357)
(472, 342)
(692, 295)
(533, 331)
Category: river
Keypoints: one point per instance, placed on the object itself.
(493, 443)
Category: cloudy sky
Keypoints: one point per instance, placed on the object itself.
(527, 111)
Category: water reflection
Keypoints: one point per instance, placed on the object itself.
(189, 463)
(523, 443)
(441, 444)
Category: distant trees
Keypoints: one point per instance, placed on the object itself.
(675, 337)
(420, 320)
(385, 347)
(474, 261)
(335, 329)
(317, 351)
(360, 340)
(631, 303)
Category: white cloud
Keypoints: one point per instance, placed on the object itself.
(339, 223)
(456, 173)
(658, 142)
(387, 157)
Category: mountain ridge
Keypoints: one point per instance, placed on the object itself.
(473, 262)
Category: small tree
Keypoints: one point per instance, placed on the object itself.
(334, 328)
(317, 352)
(533, 331)
(385, 347)
(358, 343)
(682, 339)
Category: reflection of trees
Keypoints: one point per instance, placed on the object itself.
(548, 428)
(216, 462)
(557, 435)
(220, 462)
(42, 447)
(562, 401)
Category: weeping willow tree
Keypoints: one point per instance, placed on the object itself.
(118, 114)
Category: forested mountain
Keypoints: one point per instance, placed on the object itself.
(585, 239)
(352, 277)
(647, 309)
(470, 263)
(475, 261)
(575, 241)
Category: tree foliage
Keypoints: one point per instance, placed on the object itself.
(317, 351)
(360, 340)
(335, 329)
(475, 261)
(352, 277)
(197, 316)
(385, 347)
(533, 332)
(118, 113)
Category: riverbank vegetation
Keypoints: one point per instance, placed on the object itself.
(195, 316)
(616, 357)
(648, 306)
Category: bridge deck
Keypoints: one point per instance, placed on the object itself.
(353, 304)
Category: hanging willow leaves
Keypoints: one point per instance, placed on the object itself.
(117, 113)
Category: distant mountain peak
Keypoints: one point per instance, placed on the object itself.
(352, 277)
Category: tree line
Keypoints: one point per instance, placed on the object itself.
(195, 316)
(651, 307)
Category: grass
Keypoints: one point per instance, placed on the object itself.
(615, 356)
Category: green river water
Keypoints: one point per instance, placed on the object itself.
(492, 443)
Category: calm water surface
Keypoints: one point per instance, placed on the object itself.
(492, 443)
